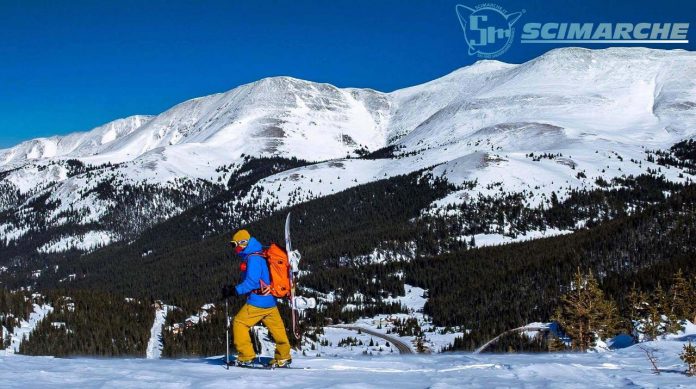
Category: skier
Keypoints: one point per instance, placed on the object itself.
(260, 305)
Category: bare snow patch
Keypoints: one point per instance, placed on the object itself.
(86, 242)
(499, 239)
(414, 300)
(23, 331)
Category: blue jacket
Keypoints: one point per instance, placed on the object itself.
(256, 271)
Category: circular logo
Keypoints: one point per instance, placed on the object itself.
(488, 28)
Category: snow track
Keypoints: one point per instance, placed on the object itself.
(154, 346)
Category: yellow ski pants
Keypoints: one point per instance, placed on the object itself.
(248, 317)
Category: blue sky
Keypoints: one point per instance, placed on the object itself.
(72, 65)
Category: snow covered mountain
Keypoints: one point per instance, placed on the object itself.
(594, 112)
(79, 144)
(279, 115)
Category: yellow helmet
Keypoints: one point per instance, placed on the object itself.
(240, 238)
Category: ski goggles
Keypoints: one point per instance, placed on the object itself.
(241, 243)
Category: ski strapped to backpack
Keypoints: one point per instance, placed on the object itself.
(294, 268)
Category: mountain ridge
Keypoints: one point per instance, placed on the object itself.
(593, 113)
(172, 126)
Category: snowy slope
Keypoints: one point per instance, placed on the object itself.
(598, 108)
(79, 144)
(188, 143)
(154, 345)
(26, 327)
(86, 242)
(279, 115)
(621, 368)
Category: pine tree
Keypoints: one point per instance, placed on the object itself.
(693, 298)
(653, 327)
(689, 357)
(637, 302)
(420, 345)
(585, 314)
(669, 323)
(653, 315)
(644, 316)
(683, 297)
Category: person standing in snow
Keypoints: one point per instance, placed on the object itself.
(260, 304)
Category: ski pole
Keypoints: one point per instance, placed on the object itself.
(227, 336)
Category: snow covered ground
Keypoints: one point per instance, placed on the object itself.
(498, 239)
(334, 336)
(435, 338)
(154, 346)
(622, 368)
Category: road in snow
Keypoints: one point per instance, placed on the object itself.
(621, 368)
(154, 346)
(401, 346)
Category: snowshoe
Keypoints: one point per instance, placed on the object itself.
(280, 363)
(250, 364)
(302, 303)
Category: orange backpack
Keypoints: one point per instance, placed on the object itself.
(279, 270)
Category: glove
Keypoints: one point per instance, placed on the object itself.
(226, 291)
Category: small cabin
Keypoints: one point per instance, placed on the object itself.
(176, 329)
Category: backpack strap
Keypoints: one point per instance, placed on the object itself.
(259, 291)
(262, 255)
